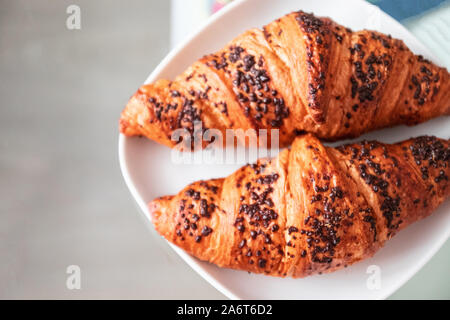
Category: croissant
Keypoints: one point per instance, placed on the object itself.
(298, 74)
(312, 209)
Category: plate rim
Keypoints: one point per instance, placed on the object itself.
(192, 261)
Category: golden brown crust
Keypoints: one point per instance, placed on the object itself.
(300, 73)
(312, 209)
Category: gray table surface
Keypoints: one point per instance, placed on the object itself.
(62, 198)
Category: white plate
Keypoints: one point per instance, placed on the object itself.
(149, 173)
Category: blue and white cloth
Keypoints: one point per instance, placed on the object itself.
(428, 20)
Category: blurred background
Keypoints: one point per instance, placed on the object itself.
(62, 197)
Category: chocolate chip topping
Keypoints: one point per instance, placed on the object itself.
(252, 85)
(430, 154)
(317, 38)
